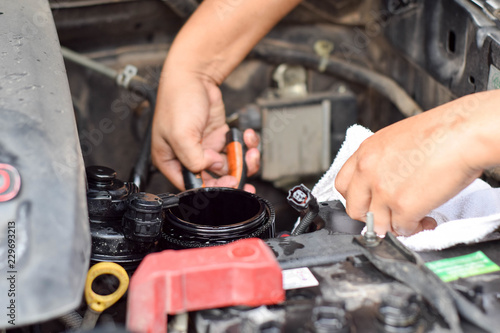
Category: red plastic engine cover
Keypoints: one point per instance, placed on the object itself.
(241, 273)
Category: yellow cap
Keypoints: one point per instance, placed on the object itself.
(97, 302)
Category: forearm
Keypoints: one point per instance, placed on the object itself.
(477, 116)
(220, 34)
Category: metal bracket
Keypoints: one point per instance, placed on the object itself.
(125, 76)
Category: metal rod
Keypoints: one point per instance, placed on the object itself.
(89, 63)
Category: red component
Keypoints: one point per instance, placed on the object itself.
(10, 182)
(241, 273)
(5, 177)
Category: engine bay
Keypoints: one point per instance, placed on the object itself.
(78, 85)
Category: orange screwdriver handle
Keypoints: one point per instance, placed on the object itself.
(235, 150)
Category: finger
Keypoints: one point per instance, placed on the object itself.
(224, 181)
(173, 171)
(358, 198)
(193, 155)
(251, 138)
(404, 225)
(220, 167)
(381, 217)
(427, 223)
(164, 159)
(344, 176)
(252, 159)
(249, 188)
(216, 140)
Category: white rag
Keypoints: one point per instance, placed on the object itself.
(466, 218)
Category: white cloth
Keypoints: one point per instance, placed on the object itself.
(467, 218)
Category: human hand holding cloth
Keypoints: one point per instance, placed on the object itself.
(466, 218)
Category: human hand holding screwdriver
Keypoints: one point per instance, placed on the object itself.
(196, 135)
(189, 124)
(407, 169)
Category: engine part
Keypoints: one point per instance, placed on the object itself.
(98, 303)
(300, 134)
(351, 294)
(323, 48)
(215, 216)
(400, 311)
(125, 225)
(370, 237)
(291, 80)
(171, 282)
(143, 219)
(72, 320)
(240, 319)
(392, 258)
(106, 195)
(330, 318)
(45, 244)
(306, 128)
(301, 198)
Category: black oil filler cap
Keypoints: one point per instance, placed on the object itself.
(144, 216)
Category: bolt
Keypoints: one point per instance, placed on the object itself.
(370, 235)
(399, 309)
(330, 318)
(323, 48)
(341, 89)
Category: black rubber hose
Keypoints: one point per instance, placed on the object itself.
(72, 320)
(277, 52)
(183, 8)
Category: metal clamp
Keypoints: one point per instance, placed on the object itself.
(125, 76)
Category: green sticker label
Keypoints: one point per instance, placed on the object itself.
(451, 269)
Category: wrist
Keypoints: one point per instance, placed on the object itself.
(480, 110)
(184, 64)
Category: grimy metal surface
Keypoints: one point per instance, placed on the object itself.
(44, 236)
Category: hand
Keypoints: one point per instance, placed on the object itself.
(189, 127)
(409, 168)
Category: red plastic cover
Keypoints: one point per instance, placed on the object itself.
(241, 273)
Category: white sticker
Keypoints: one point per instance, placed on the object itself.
(298, 278)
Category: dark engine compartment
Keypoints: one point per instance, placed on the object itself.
(326, 66)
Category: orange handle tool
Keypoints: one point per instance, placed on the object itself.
(235, 150)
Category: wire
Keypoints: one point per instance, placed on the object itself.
(84, 61)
